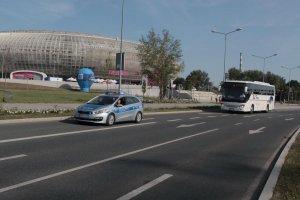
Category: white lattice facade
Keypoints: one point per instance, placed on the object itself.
(62, 53)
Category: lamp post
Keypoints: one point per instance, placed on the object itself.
(290, 69)
(225, 38)
(121, 50)
(264, 58)
(2, 69)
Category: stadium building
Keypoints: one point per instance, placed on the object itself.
(62, 54)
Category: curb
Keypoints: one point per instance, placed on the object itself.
(14, 121)
(269, 187)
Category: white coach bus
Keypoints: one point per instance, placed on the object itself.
(247, 96)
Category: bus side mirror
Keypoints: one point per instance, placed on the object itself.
(246, 89)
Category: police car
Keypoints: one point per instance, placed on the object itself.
(110, 108)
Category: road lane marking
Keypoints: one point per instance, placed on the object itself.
(256, 131)
(289, 119)
(13, 157)
(256, 120)
(249, 116)
(189, 125)
(145, 187)
(174, 120)
(70, 133)
(145, 119)
(226, 115)
(43, 178)
(195, 117)
(240, 123)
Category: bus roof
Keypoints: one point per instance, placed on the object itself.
(253, 82)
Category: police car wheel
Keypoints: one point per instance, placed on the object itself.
(110, 120)
(138, 117)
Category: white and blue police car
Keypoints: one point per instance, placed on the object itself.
(110, 108)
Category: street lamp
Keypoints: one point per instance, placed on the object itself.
(225, 37)
(290, 69)
(264, 58)
(121, 50)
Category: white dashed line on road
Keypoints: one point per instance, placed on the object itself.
(70, 133)
(195, 117)
(240, 123)
(226, 115)
(88, 165)
(145, 119)
(174, 120)
(289, 119)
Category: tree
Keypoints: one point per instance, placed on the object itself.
(197, 79)
(235, 74)
(179, 82)
(144, 87)
(160, 58)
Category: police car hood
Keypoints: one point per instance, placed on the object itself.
(92, 107)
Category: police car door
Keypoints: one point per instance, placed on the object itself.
(122, 113)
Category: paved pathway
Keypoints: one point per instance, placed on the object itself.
(57, 106)
(52, 106)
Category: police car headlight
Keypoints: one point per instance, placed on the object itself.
(98, 112)
(241, 106)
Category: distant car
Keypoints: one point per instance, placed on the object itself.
(110, 108)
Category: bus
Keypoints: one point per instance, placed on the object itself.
(247, 96)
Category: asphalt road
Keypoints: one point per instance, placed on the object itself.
(194, 155)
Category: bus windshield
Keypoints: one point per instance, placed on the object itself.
(234, 92)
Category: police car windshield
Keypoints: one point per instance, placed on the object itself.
(103, 100)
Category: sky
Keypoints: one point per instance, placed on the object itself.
(268, 27)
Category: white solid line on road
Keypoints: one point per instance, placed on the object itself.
(173, 120)
(13, 157)
(145, 187)
(289, 119)
(70, 133)
(240, 123)
(256, 120)
(100, 162)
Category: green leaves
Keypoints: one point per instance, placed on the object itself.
(160, 57)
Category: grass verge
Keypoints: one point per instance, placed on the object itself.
(288, 184)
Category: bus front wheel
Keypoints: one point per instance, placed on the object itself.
(267, 109)
(252, 109)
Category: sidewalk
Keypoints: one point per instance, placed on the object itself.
(61, 106)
